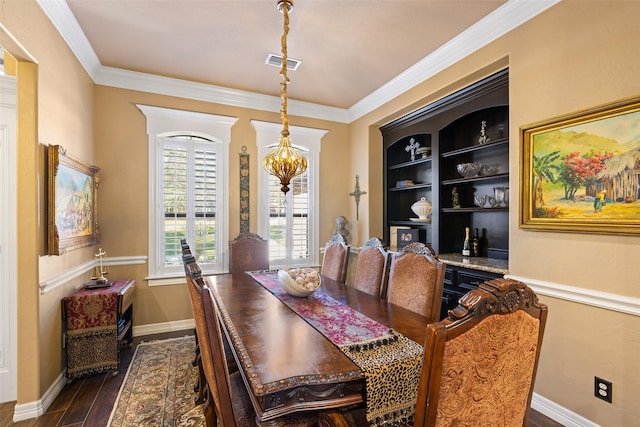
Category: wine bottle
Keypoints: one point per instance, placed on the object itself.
(475, 244)
(466, 245)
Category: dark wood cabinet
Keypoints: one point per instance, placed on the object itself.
(457, 282)
(467, 126)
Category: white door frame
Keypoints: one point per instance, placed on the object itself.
(8, 239)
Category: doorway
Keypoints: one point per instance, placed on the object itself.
(8, 288)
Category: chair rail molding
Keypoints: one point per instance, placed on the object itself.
(608, 301)
(53, 282)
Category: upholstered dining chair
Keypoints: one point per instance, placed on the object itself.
(479, 363)
(248, 252)
(372, 268)
(416, 280)
(336, 257)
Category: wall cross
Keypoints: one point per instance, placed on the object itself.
(356, 194)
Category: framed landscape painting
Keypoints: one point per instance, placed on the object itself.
(581, 173)
(72, 202)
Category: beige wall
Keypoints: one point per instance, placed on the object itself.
(574, 56)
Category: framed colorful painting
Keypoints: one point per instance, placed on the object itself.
(581, 172)
(72, 206)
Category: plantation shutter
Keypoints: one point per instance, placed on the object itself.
(175, 203)
(189, 199)
(289, 221)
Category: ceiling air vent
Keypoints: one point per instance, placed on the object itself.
(276, 61)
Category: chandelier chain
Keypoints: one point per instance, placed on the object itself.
(285, 6)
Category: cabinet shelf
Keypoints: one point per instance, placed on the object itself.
(410, 163)
(479, 147)
(474, 179)
(475, 209)
(409, 222)
(411, 187)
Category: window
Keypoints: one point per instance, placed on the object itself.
(188, 198)
(289, 221)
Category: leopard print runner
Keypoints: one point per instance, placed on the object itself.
(391, 366)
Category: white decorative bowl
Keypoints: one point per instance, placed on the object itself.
(468, 170)
(422, 208)
(299, 282)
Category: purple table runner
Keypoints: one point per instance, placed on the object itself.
(390, 361)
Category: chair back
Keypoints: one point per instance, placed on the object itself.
(214, 363)
(416, 281)
(481, 361)
(336, 257)
(372, 268)
(248, 252)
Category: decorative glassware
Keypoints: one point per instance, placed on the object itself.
(498, 193)
(480, 200)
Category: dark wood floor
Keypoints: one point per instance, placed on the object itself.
(88, 402)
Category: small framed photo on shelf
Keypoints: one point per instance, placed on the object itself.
(393, 237)
(406, 236)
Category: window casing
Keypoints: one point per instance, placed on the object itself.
(289, 221)
(188, 190)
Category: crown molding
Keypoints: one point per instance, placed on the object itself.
(132, 80)
(60, 15)
(504, 19)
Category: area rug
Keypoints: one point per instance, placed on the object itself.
(158, 388)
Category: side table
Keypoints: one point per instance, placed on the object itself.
(95, 324)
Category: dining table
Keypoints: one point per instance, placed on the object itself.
(303, 354)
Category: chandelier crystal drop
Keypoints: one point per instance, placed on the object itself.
(284, 162)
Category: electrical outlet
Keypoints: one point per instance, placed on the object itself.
(603, 389)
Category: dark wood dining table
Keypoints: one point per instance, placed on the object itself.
(287, 365)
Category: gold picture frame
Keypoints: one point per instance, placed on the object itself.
(581, 172)
(72, 205)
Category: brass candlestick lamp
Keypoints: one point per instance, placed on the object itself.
(284, 162)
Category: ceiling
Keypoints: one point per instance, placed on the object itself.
(349, 49)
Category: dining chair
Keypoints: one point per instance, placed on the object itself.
(479, 363)
(227, 400)
(195, 283)
(372, 268)
(336, 257)
(248, 252)
(195, 292)
(416, 280)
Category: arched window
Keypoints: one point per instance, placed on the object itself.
(289, 221)
(188, 190)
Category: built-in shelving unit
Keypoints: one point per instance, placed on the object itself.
(468, 126)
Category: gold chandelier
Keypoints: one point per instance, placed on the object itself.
(284, 162)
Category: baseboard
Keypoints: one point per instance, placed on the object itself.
(160, 328)
(30, 410)
(559, 413)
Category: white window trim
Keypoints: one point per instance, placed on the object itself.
(162, 122)
(308, 139)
